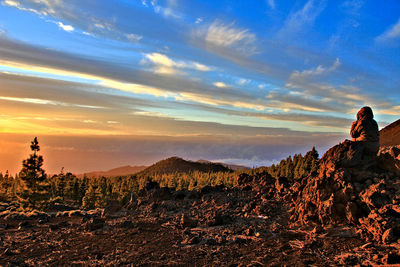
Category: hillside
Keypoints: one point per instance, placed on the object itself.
(229, 166)
(175, 164)
(120, 171)
(390, 135)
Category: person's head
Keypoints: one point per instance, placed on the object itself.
(365, 113)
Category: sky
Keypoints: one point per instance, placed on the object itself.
(109, 83)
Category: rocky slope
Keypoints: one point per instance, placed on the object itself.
(390, 135)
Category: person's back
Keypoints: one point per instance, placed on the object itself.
(365, 129)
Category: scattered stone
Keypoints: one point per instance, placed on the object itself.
(8, 252)
(24, 225)
(76, 213)
(94, 224)
(249, 232)
(389, 236)
(186, 221)
(127, 224)
(391, 258)
(43, 221)
(191, 240)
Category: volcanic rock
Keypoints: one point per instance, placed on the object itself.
(186, 221)
(94, 224)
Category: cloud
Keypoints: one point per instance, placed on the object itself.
(45, 102)
(133, 37)
(77, 15)
(137, 88)
(308, 119)
(353, 7)
(153, 85)
(165, 65)
(167, 11)
(80, 154)
(133, 83)
(70, 93)
(289, 102)
(314, 85)
(67, 28)
(213, 101)
(242, 81)
(392, 33)
(43, 61)
(300, 20)
(320, 70)
(391, 110)
(11, 3)
(220, 84)
(40, 7)
(3, 31)
(221, 35)
(271, 4)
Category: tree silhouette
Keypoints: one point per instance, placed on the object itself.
(34, 190)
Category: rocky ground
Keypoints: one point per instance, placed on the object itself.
(344, 215)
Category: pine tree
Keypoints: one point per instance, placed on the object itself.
(61, 183)
(34, 192)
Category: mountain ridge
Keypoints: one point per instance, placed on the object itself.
(230, 166)
(176, 164)
(119, 171)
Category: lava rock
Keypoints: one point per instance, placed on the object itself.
(94, 224)
(24, 225)
(186, 221)
(389, 236)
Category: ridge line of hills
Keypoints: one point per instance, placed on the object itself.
(167, 166)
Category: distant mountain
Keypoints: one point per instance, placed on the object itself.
(175, 164)
(120, 171)
(230, 166)
(390, 135)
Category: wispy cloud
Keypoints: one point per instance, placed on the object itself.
(133, 37)
(313, 85)
(167, 11)
(297, 22)
(242, 81)
(271, 4)
(320, 70)
(45, 102)
(77, 18)
(390, 34)
(353, 7)
(221, 35)
(41, 7)
(165, 65)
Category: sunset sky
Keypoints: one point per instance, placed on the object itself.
(110, 83)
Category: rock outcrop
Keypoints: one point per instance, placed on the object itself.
(352, 188)
(390, 135)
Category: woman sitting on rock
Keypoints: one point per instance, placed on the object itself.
(365, 129)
